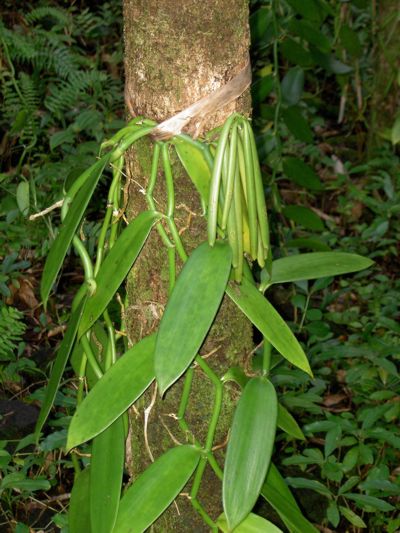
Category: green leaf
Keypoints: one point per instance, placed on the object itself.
(350, 41)
(278, 494)
(312, 484)
(263, 315)
(309, 10)
(332, 513)
(68, 229)
(297, 125)
(22, 194)
(251, 524)
(352, 517)
(364, 501)
(58, 368)
(330, 63)
(79, 508)
(287, 423)
(309, 243)
(304, 216)
(316, 265)
(395, 134)
(18, 481)
(296, 53)
(116, 266)
(155, 489)
(301, 173)
(292, 85)
(308, 31)
(261, 88)
(190, 311)
(122, 384)
(249, 449)
(106, 469)
(196, 166)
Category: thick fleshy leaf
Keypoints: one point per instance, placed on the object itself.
(106, 469)
(79, 509)
(278, 494)
(122, 384)
(68, 228)
(190, 311)
(249, 449)
(287, 423)
(195, 164)
(263, 315)
(59, 365)
(155, 489)
(251, 524)
(116, 266)
(316, 265)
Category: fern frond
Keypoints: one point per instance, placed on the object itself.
(55, 13)
(12, 329)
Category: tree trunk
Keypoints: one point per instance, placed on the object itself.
(177, 51)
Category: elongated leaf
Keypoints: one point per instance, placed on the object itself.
(190, 311)
(106, 469)
(312, 484)
(278, 494)
(263, 315)
(155, 489)
(22, 194)
(122, 384)
(195, 164)
(315, 265)
(68, 228)
(287, 423)
(116, 266)
(79, 509)
(249, 449)
(58, 367)
(251, 524)
(363, 501)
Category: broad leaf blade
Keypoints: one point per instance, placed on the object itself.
(263, 315)
(156, 489)
(68, 228)
(190, 311)
(116, 266)
(278, 494)
(59, 366)
(287, 423)
(78, 513)
(106, 469)
(251, 524)
(196, 166)
(249, 449)
(122, 384)
(315, 265)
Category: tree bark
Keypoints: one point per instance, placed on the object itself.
(177, 51)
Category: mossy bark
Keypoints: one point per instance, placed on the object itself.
(177, 51)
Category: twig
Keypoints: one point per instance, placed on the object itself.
(47, 210)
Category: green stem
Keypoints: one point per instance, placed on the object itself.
(91, 357)
(81, 377)
(112, 357)
(267, 346)
(194, 491)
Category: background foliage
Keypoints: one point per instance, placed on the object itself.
(331, 182)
